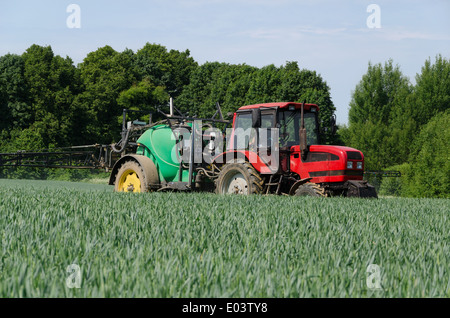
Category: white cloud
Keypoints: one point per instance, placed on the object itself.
(291, 33)
(398, 34)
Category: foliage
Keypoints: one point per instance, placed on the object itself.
(374, 105)
(432, 91)
(15, 107)
(23, 140)
(236, 85)
(171, 70)
(69, 105)
(52, 83)
(105, 74)
(388, 121)
(430, 159)
(143, 96)
(396, 186)
(61, 104)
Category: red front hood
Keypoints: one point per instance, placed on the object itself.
(323, 171)
(340, 151)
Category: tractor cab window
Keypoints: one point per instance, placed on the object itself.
(245, 135)
(290, 123)
(265, 132)
(242, 131)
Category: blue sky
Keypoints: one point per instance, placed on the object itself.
(330, 37)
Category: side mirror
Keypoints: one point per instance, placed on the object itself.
(256, 118)
(333, 124)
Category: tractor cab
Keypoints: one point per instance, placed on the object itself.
(271, 130)
(286, 118)
(289, 123)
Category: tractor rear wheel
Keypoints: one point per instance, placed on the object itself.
(239, 178)
(311, 190)
(131, 178)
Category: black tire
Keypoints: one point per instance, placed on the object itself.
(310, 190)
(131, 169)
(239, 178)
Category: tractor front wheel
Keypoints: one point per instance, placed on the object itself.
(311, 190)
(239, 178)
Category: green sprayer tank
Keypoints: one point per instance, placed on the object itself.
(159, 144)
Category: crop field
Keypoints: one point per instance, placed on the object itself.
(205, 245)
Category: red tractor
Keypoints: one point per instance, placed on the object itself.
(295, 163)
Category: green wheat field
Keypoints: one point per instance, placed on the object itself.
(205, 245)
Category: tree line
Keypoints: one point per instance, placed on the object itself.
(47, 102)
(404, 127)
(48, 99)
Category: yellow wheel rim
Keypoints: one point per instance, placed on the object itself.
(129, 182)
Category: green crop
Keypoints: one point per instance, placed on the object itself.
(207, 245)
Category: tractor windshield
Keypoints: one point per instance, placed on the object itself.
(290, 123)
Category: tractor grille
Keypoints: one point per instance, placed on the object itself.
(354, 155)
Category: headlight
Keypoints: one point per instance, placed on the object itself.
(359, 165)
(349, 165)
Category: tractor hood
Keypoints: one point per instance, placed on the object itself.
(340, 151)
(328, 163)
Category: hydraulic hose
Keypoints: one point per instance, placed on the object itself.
(124, 142)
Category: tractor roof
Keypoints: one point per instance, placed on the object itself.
(280, 105)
